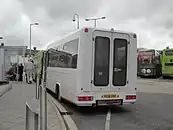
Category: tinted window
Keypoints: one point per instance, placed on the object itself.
(120, 62)
(169, 52)
(66, 56)
(147, 57)
(101, 63)
(58, 59)
(149, 53)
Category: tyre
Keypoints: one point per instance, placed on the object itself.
(164, 77)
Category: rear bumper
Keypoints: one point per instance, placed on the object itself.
(106, 102)
(95, 104)
(151, 74)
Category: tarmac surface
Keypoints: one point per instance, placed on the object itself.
(152, 111)
(12, 108)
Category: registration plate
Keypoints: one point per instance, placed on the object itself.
(110, 96)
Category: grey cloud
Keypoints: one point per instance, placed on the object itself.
(10, 22)
(136, 9)
(12, 40)
(52, 16)
(55, 16)
(58, 9)
(163, 23)
(168, 23)
(10, 17)
(156, 16)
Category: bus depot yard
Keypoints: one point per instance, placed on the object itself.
(79, 79)
(98, 90)
(152, 111)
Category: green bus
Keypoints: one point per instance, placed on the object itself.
(167, 63)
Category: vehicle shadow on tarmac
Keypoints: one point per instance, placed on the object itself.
(92, 110)
(101, 110)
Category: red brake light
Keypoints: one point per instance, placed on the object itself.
(130, 97)
(86, 29)
(85, 98)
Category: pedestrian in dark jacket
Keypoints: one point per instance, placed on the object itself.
(20, 72)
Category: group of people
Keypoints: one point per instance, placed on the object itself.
(25, 72)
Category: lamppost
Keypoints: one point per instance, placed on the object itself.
(32, 24)
(95, 20)
(74, 19)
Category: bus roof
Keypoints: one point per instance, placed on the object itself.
(78, 31)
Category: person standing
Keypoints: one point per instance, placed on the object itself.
(20, 72)
(29, 69)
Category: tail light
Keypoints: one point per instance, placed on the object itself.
(85, 98)
(86, 30)
(130, 97)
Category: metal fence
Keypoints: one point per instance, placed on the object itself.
(32, 115)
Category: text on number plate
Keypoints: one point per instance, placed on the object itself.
(110, 96)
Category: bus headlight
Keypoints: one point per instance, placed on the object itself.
(148, 70)
(143, 71)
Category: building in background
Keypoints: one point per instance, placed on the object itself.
(33, 52)
(10, 56)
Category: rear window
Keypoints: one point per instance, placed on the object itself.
(101, 62)
(120, 62)
(149, 53)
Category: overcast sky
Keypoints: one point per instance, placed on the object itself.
(152, 20)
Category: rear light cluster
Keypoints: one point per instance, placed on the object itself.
(86, 30)
(85, 98)
(130, 97)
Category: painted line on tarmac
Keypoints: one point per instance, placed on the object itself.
(108, 120)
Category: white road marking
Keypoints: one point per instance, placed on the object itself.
(108, 120)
